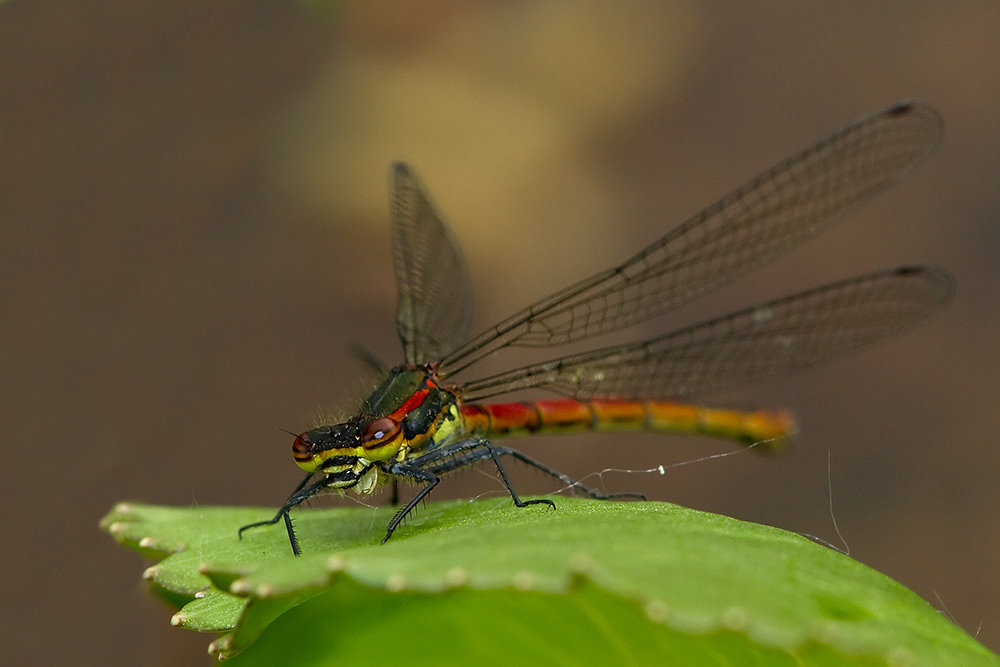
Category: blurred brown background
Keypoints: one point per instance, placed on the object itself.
(194, 229)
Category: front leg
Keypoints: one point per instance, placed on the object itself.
(301, 493)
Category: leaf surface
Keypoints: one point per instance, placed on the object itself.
(590, 582)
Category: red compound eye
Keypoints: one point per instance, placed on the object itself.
(302, 448)
(379, 431)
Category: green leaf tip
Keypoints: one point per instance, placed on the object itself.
(689, 581)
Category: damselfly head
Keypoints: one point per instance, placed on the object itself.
(325, 446)
(333, 448)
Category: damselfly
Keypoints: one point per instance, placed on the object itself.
(417, 426)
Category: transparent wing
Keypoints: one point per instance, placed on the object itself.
(769, 339)
(434, 313)
(787, 204)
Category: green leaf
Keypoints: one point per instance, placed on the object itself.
(591, 582)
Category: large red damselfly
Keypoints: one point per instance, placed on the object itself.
(416, 426)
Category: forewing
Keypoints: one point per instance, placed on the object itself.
(787, 204)
(434, 312)
(770, 339)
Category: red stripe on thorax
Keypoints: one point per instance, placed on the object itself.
(412, 403)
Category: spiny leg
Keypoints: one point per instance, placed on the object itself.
(479, 448)
(413, 472)
(301, 493)
(506, 480)
(467, 452)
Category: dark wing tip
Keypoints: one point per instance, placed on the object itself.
(902, 108)
(932, 273)
(917, 109)
(399, 173)
(907, 107)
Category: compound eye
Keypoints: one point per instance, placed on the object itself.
(302, 448)
(379, 431)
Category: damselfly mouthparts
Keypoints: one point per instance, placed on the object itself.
(416, 426)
